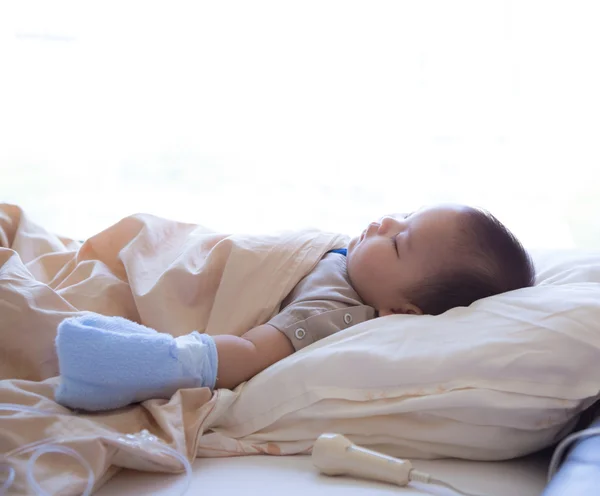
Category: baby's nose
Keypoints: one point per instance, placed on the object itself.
(386, 223)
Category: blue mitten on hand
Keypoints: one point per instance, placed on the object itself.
(110, 362)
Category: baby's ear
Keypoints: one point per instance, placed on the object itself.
(414, 310)
(409, 309)
(403, 309)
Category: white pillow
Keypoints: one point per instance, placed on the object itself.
(502, 378)
(566, 266)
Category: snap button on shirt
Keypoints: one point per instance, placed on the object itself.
(300, 333)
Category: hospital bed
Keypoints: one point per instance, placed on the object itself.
(296, 476)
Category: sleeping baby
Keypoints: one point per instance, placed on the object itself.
(423, 263)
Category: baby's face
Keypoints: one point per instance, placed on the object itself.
(399, 251)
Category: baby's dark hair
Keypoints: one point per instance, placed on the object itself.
(493, 262)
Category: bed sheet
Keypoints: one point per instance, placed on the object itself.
(296, 476)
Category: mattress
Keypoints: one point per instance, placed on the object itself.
(296, 476)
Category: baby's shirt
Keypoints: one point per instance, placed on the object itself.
(321, 304)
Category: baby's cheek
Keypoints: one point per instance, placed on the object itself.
(378, 270)
(372, 266)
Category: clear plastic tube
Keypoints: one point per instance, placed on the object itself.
(12, 407)
(50, 445)
(9, 480)
(65, 450)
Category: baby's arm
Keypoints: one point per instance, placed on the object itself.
(109, 362)
(241, 358)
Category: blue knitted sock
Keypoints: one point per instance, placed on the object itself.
(110, 362)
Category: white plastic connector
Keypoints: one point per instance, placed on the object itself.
(334, 454)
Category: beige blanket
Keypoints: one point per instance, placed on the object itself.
(170, 276)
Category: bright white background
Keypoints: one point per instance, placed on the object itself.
(257, 115)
